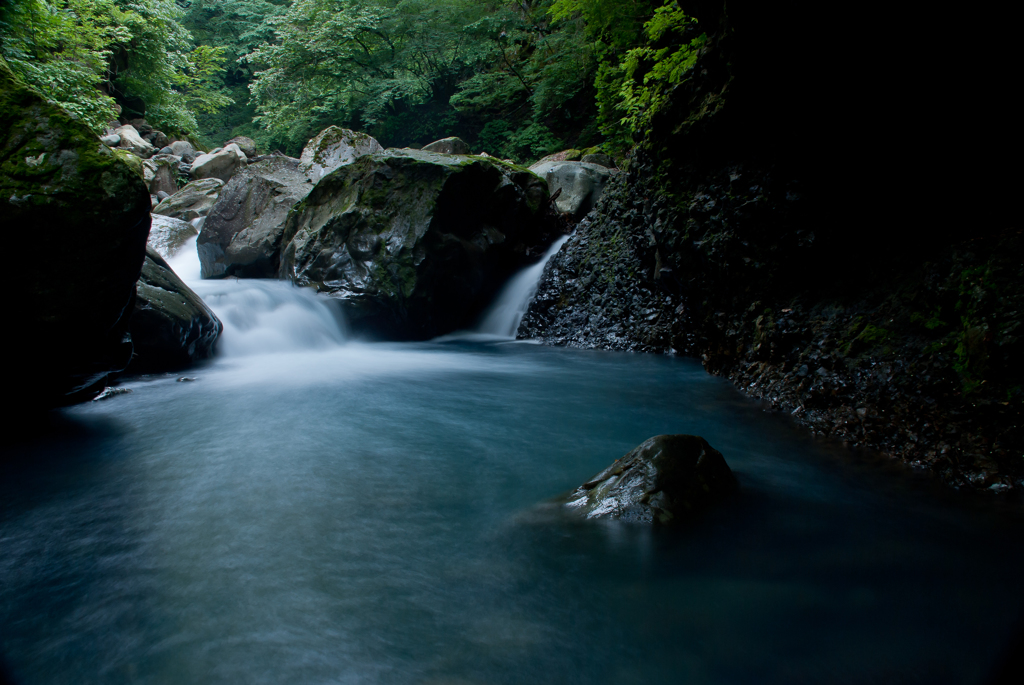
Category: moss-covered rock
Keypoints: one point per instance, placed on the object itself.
(76, 219)
(415, 243)
(171, 326)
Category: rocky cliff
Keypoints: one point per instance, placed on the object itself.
(811, 248)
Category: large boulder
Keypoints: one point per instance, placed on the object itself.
(167, 236)
(160, 173)
(171, 326)
(334, 147)
(131, 140)
(579, 184)
(247, 145)
(76, 219)
(449, 146)
(242, 233)
(183, 149)
(194, 200)
(665, 480)
(221, 163)
(415, 243)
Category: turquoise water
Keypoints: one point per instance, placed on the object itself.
(357, 513)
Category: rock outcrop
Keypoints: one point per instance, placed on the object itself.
(578, 184)
(77, 218)
(194, 200)
(415, 243)
(334, 147)
(242, 233)
(665, 480)
(171, 327)
(160, 173)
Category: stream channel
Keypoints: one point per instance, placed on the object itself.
(315, 509)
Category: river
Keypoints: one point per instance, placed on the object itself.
(308, 508)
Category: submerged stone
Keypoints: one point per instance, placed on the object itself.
(665, 480)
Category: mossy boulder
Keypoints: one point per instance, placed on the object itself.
(171, 326)
(334, 147)
(665, 480)
(76, 219)
(242, 233)
(414, 243)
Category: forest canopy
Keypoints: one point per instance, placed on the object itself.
(517, 78)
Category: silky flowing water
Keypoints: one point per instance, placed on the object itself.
(312, 509)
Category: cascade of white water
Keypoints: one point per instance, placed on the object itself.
(503, 317)
(260, 315)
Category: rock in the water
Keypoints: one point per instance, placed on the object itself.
(171, 326)
(247, 145)
(76, 219)
(448, 146)
(168, 235)
(221, 163)
(580, 184)
(160, 172)
(183, 149)
(242, 233)
(334, 147)
(131, 140)
(113, 140)
(194, 200)
(665, 480)
(600, 159)
(414, 243)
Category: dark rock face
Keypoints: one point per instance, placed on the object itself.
(171, 326)
(80, 217)
(242, 233)
(665, 480)
(415, 243)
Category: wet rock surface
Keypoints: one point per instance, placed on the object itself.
(77, 217)
(242, 232)
(194, 200)
(665, 480)
(167, 236)
(414, 243)
(171, 326)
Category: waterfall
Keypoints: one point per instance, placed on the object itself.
(262, 315)
(503, 317)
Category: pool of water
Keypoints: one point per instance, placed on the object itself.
(357, 513)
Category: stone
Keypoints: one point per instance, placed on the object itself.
(665, 480)
(160, 173)
(171, 326)
(77, 217)
(242, 233)
(167, 235)
(141, 125)
(194, 200)
(579, 184)
(334, 147)
(161, 195)
(563, 156)
(112, 140)
(232, 147)
(600, 159)
(157, 139)
(131, 140)
(448, 146)
(415, 244)
(220, 163)
(183, 149)
(247, 145)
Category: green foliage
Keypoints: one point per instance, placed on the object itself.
(89, 56)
